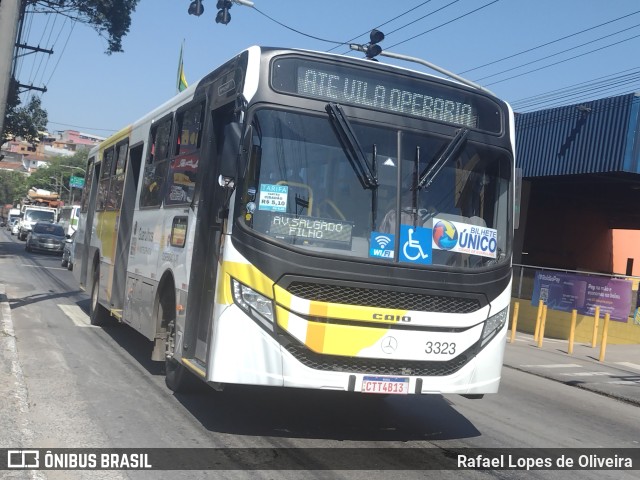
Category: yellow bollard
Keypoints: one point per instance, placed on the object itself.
(543, 322)
(538, 320)
(572, 331)
(596, 319)
(514, 322)
(605, 331)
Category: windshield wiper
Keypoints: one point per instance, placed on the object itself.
(351, 146)
(429, 174)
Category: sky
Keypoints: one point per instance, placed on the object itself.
(534, 54)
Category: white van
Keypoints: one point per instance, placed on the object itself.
(68, 218)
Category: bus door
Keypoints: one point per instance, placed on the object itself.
(221, 151)
(83, 250)
(126, 185)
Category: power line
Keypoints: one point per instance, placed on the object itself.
(382, 24)
(83, 128)
(443, 24)
(298, 31)
(73, 24)
(418, 19)
(549, 43)
(557, 53)
(603, 91)
(563, 61)
(593, 85)
(423, 17)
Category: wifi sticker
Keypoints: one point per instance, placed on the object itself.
(381, 245)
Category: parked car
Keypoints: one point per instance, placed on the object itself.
(67, 253)
(15, 226)
(46, 237)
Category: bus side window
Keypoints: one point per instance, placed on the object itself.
(105, 179)
(183, 168)
(87, 185)
(156, 168)
(117, 180)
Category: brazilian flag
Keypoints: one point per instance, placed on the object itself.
(181, 82)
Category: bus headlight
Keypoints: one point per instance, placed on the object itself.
(257, 306)
(493, 325)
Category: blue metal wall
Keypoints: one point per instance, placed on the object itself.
(592, 137)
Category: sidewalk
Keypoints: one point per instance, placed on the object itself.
(618, 376)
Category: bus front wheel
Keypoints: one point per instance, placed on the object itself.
(96, 312)
(177, 377)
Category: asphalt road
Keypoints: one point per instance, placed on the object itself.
(67, 384)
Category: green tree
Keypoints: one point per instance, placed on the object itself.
(13, 187)
(26, 122)
(55, 176)
(110, 18)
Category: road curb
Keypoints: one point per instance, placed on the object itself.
(14, 421)
(583, 386)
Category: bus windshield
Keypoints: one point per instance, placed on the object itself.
(305, 190)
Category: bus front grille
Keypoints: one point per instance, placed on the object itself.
(375, 366)
(371, 297)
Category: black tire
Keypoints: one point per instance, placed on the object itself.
(97, 313)
(178, 378)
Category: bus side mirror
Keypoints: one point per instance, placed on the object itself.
(226, 182)
(230, 153)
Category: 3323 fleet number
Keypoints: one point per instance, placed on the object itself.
(440, 348)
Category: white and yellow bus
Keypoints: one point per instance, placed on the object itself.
(248, 227)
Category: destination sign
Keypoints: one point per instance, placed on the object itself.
(310, 229)
(388, 92)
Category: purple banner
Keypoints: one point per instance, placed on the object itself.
(568, 291)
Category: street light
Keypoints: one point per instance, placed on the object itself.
(70, 189)
(73, 166)
(59, 184)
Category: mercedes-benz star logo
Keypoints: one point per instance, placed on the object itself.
(389, 345)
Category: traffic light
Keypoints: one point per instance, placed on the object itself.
(223, 15)
(373, 49)
(196, 8)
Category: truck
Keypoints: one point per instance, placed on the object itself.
(31, 214)
(12, 215)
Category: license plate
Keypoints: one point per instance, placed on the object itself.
(385, 385)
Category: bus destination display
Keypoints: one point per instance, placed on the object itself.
(386, 92)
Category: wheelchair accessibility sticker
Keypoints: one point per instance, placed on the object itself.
(415, 244)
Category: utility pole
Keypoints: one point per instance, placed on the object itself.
(9, 18)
